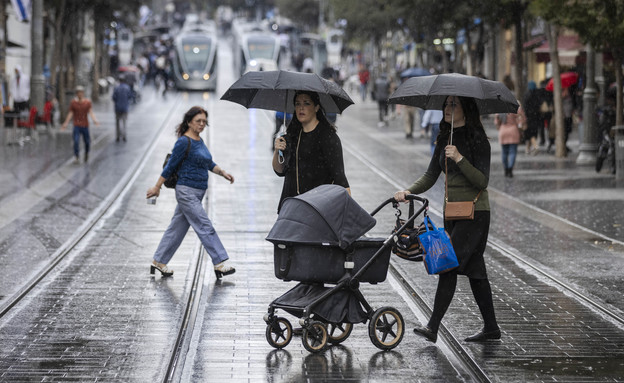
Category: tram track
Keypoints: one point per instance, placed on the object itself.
(108, 204)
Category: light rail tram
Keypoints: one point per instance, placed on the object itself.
(255, 48)
(195, 59)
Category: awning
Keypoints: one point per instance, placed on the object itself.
(535, 41)
(564, 43)
(569, 48)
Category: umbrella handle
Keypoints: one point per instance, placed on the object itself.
(282, 132)
(452, 125)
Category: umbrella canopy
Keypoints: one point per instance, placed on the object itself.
(567, 80)
(415, 72)
(325, 215)
(430, 92)
(275, 90)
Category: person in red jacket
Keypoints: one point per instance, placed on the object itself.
(364, 77)
(80, 109)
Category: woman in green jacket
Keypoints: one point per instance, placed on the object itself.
(468, 160)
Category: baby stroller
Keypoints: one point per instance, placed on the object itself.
(318, 240)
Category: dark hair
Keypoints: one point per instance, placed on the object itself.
(473, 120)
(295, 124)
(188, 117)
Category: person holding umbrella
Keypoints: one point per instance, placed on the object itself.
(311, 147)
(462, 151)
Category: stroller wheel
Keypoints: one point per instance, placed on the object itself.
(386, 328)
(339, 332)
(315, 337)
(279, 332)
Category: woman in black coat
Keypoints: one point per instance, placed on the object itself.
(312, 150)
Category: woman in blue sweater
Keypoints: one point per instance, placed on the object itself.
(190, 191)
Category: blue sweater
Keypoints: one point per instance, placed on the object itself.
(194, 169)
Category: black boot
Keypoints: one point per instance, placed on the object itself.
(510, 170)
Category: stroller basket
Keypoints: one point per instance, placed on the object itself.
(326, 264)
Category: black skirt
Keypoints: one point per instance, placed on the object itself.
(469, 239)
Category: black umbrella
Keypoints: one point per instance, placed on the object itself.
(275, 90)
(430, 92)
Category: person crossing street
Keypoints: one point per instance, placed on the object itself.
(80, 109)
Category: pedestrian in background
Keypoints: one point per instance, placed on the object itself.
(391, 88)
(409, 117)
(568, 111)
(312, 150)
(381, 89)
(431, 124)
(510, 127)
(364, 76)
(80, 109)
(468, 174)
(122, 94)
(531, 106)
(192, 170)
(20, 90)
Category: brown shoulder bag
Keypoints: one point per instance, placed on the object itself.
(457, 210)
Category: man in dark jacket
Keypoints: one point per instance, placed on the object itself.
(381, 89)
(121, 96)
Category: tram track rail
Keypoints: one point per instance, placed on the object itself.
(91, 221)
(108, 205)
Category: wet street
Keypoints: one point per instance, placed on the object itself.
(85, 234)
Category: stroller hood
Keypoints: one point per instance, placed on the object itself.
(325, 215)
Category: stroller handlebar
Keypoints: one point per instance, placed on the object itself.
(410, 197)
(414, 197)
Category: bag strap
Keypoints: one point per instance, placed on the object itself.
(427, 221)
(297, 161)
(188, 149)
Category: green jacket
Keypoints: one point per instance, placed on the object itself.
(466, 178)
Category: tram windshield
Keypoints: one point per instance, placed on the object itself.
(196, 53)
(261, 48)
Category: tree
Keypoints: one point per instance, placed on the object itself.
(68, 21)
(368, 19)
(598, 22)
(553, 11)
(301, 12)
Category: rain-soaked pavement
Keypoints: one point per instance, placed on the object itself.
(99, 315)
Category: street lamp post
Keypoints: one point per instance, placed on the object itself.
(589, 143)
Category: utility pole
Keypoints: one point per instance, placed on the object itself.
(589, 143)
(3, 50)
(37, 80)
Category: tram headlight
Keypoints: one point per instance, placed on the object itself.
(185, 76)
(206, 76)
(253, 63)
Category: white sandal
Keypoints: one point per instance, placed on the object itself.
(222, 269)
(164, 270)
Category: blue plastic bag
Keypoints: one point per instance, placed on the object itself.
(439, 253)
